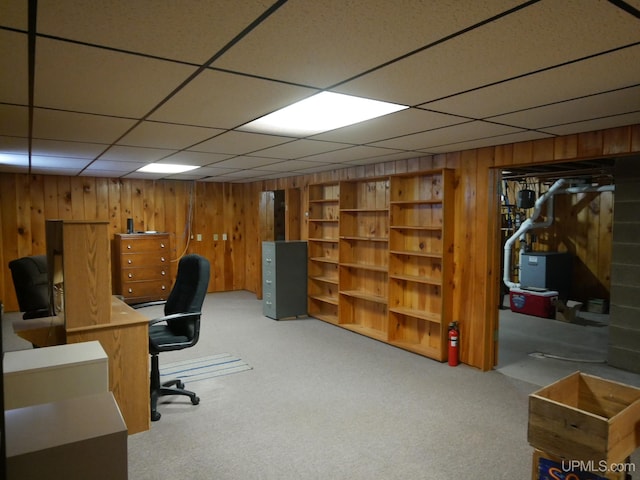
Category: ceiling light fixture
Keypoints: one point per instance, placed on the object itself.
(166, 168)
(320, 113)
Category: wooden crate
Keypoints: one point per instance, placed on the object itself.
(549, 467)
(587, 418)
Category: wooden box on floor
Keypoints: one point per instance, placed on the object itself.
(550, 467)
(587, 418)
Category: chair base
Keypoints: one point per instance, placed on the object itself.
(159, 390)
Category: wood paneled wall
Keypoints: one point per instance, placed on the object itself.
(184, 209)
(234, 209)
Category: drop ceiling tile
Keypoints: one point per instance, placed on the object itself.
(322, 43)
(78, 127)
(14, 14)
(586, 108)
(384, 158)
(300, 148)
(444, 136)
(292, 165)
(245, 174)
(56, 165)
(101, 173)
(555, 32)
(14, 79)
(523, 136)
(15, 145)
(67, 149)
(167, 135)
(114, 166)
(12, 162)
(405, 122)
(121, 153)
(84, 79)
(224, 100)
(596, 124)
(348, 154)
(245, 162)
(192, 32)
(237, 143)
(192, 175)
(196, 158)
(214, 170)
(586, 77)
(14, 121)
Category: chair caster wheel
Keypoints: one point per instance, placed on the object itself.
(195, 400)
(155, 416)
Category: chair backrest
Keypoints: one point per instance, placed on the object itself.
(188, 293)
(31, 283)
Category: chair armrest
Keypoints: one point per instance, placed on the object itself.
(136, 306)
(174, 316)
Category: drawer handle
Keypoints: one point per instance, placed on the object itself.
(131, 290)
(163, 287)
(268, 260)
(129, 247)
(162, 259)
(130, 275)
(163, 273)
(268, 282)
(129, 261)
(269, 303)
(162, 245)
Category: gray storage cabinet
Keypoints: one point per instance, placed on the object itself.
(550, 270)
(284, 279)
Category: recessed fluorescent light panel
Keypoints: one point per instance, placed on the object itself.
(166, 168)
(320, 113)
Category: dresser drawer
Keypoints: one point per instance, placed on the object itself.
(144, 243)
(151, 259)
(143, 273)
(157, 289)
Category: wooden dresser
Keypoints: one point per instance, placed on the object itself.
(143, 272)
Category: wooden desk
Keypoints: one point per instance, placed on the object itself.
(125, 339)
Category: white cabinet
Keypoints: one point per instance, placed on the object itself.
(50, 374)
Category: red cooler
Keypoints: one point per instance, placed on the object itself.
(537, 302)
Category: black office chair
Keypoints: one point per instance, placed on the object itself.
(31, 283)
(180, 326)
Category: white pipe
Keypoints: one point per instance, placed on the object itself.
(524, 228)
(529, 224)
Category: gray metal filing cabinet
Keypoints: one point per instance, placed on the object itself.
(284, 279)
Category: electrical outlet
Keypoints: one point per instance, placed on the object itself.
(215, 237)
(199, 237)
(224, 236)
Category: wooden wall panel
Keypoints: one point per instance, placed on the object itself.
(164, 205)
(28, 200)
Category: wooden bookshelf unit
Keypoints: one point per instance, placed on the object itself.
(322, 244)
(393, 254)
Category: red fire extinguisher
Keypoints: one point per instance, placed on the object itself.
(454, 336)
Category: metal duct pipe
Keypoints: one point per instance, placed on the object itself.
(524, 228)
(528, 224)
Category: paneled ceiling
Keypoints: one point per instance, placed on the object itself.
(101, 88)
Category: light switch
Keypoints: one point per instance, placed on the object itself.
(224, 236)
(215, 237)
(199, 237)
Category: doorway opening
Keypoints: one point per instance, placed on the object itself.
(556, 224)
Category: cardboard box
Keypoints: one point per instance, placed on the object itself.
(549, 467)
(534, 302)
(585, 418)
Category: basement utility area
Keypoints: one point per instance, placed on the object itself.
(569, 248)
